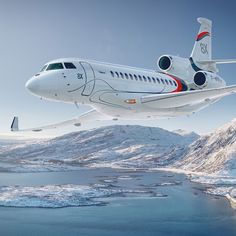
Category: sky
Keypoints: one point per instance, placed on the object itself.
(128, 32)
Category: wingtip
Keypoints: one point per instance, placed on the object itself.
(14, 124)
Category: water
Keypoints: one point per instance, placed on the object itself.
(186, 210)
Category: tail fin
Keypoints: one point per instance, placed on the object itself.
(202, 47)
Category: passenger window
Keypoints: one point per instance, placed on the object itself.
(153, 79)
(112, 73)
(126, 76)
(117, 74)
(144, 78)
(170, 82)
(162, 81)
(175, 83)
(135, 76)
(131, 77)
(122, 76)
(149, 79)
(69, 65)
(158, 80)
(55, 66)
(166, 81)
(140, 78)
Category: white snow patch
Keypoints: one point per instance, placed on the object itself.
(214, 180)
(68, 195)
(51, 196)
(219, 191)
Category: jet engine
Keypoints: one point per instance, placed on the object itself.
(205, 79)
(174, 65)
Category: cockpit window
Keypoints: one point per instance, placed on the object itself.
(69, 65)
(55, 66)
(44, 67)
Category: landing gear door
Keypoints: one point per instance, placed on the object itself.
(89, 78)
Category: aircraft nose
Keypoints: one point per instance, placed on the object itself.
(32, 85)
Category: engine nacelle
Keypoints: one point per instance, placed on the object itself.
(205, 79)
(174, 65)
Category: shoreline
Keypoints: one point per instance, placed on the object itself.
(230, 199)
(207, 179)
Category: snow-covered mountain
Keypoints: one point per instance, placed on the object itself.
(127, 146)
(212, 158)
(121, 146)
(213, 153)
(191, 136)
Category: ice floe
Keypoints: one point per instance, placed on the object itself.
(68, 195)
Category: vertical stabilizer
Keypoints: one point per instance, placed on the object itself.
(202, 47)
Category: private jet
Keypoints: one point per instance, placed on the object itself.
(182, 87)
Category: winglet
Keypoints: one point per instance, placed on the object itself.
(14, 124)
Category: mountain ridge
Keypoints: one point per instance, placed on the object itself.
(128, 146)
(124, 146)
(212, 153)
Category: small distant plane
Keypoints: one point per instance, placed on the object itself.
(182, 87)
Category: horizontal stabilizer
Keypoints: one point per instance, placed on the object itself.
(223, 61)
(89, 115)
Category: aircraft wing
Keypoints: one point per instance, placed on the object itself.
(87, 116)
(188, 97)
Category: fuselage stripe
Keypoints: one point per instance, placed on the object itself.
(194, 66)
(179, 84)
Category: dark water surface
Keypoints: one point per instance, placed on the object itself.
(185, 209)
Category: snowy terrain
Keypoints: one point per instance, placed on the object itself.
(213, 160)
(68, 195)
(113, 146)
(210, 158)
(213, 153)
(99, 192)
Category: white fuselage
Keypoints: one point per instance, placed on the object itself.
(114, 90)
